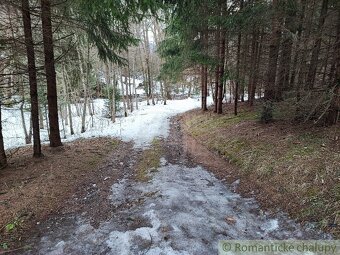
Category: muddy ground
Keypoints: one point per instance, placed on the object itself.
(188, 202)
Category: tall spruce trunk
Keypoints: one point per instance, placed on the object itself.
(3, 158)
(275, 38)
(68, 99)
(32, 73)
(217, 74)
(316, 48)
(297, 44)
(52, 98)
(254, 51)
(204, 73)
(238, 56)
(286, 55)
(220, 91)
(124, 98)
(236, 93)
(113, 106)
(334, 109)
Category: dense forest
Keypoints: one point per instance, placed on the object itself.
(279, 50)
(263, 75)
(57, 53)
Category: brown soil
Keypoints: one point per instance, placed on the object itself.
(66, 180)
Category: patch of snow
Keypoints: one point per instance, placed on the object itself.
(141, 126)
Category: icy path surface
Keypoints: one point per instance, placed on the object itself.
(182, 210)
(185, 211)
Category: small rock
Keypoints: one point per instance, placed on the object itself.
(230, 220)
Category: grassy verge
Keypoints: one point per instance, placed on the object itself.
(295, 168)
(150, 161)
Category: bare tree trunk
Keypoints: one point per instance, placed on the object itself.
(32, 73)
(68, 100)
(217, 75)
(243, 69)
(204, 73)
(316, 49)
(55, 140)
(221, 72)
(82, 73)
(41, 118)
(113, 106)
(3, 158)
(62, 121)
(334, 109)
(298, 44)
(239, 38)
(28, 139)
(134, 82)
(270, 89)
(124, 100)
(251, 84)
(47, 122)
(286, 54)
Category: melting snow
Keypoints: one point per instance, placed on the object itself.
(141, 125)
(185, 215)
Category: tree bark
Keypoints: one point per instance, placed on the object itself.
(270, 89)
(204, 73)
(254, 52)
(285, 59)
(316, 48)
(113, 106)
(32, 73)
(217, 74)
(238, 56)
(52, 99)
(3, 158)
(68, 100)
(220, 91)
(334, 109)
(122, 88)
(239, 38)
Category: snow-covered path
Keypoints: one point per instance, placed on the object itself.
(186, 212)
(182, 210)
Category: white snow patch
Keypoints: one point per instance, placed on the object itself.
(141, 126)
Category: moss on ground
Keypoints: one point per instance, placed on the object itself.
(150, 160)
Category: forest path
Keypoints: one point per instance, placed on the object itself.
(182, 209)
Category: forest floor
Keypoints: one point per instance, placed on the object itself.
(287, 166)
(111, 197)
(33, 189)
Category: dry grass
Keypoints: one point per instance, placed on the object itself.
(31, 189)
(295, 167)
(150, 161)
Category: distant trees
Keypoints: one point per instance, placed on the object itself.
(279, 50)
